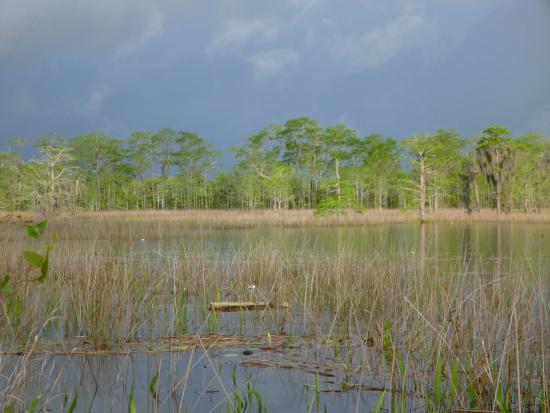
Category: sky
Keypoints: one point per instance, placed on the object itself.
(225, 69)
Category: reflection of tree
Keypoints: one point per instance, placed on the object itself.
(422, 248)
(467, 245)
(497, 268)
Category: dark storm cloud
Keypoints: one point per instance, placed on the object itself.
(226, 68)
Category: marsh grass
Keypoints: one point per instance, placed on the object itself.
(459, 334)
(242, 218)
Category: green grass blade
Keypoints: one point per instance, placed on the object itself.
(380, 403)
(437, 382)
(132, 402)
(72, 407)
(34, 404)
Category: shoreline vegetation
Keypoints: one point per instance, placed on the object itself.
(244, 218)
(296, 165)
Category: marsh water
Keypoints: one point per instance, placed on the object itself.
(304, 373)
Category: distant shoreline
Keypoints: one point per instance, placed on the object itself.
(237, 218)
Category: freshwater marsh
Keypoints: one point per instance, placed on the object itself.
(403, 317)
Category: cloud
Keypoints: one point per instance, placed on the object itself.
(272, 62)
(238, 32)
(35, 27)
(151, 27)
(377, 46)
(94, 104)
(304, 7)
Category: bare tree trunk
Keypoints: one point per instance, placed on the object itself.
(422, 189)
(498, 196)
(97, 182)
(422, 249)
(337, 177)
(526, 198)
(476, 191)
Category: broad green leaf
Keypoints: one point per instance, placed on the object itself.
(152, 385)
(33, 259)
(5, 287)
(36, 230)
(41, 226)
(31, 231)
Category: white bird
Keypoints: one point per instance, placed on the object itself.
(251, 289)
(142, 240)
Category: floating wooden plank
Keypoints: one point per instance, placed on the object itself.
(476, 411)
(14, 219)
(226, 306)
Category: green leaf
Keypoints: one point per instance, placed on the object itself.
(44, 269)
(454, 378)
(5, 287)
(33, 259)
(437, 381)
(132, 402)
(152, 385)
(260, 402)
(41, 226)
(501, 398)
(31, 231)
(36, 230)
(388, 336)
(10, 408)
(542, 401)
(317, 384)
(380, 403)
(72, 407)
(34, 404)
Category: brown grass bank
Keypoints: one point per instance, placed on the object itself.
(236, 218)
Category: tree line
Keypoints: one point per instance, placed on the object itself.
(298, 164)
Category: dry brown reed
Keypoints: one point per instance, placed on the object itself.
(303, 217)
(243, 218)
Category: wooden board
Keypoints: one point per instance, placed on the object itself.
(244, 305)
(14, 219)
